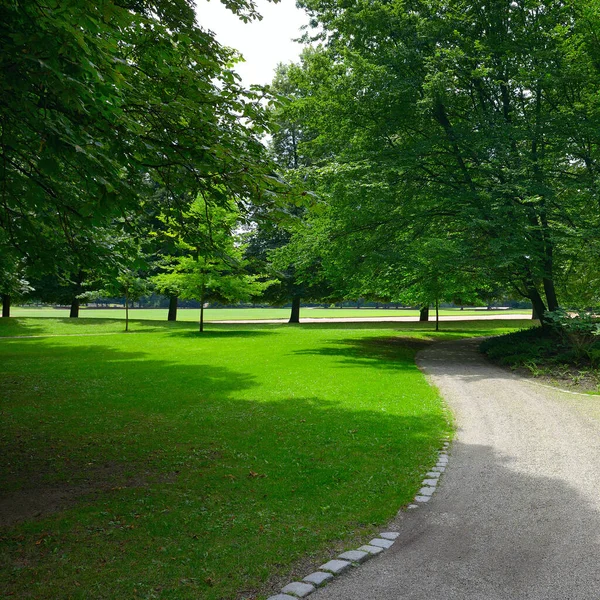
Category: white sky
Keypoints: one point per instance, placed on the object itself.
(264, 43)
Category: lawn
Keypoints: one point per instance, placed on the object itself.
(245, 314)
(168, 464)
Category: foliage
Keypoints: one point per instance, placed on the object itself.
(210, 264)
(570, 343)
(101, 104)
(456, 118)
(580, 331)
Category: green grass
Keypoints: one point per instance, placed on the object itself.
(205, 466)
(244, 314)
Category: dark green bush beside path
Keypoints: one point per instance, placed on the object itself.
(565, 353)
(164, 464)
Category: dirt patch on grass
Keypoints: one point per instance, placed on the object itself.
(39, 501)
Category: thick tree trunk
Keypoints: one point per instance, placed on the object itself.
(539, 308)
(551, 297)
(424, 313)
(437, 315)
(295, 314)
(6, 305)
(74, 308)
(172, 309)
(534, 314)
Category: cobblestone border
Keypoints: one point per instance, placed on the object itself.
(354, 558)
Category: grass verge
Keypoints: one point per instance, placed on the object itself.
(168, 464)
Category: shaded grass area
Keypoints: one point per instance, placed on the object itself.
(168, 464)
(547, 356)
(243, 314)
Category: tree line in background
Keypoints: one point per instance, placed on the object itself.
(419, 152)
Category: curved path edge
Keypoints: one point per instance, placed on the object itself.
(517, 515)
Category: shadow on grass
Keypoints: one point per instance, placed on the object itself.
(378, 352)
(78, 407)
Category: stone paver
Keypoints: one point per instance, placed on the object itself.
(298, 589)
(422, 498)
(371, 549)
(430, 482)
(318, 578)
(389, 535)
(439, 468)
(427, 491)
(381, 543)
(336, 566)
(282, 597)
(355, 556)
(433, 474)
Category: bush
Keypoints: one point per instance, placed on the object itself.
(572, 340)
(580, 332)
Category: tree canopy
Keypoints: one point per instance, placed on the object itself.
(473, 123)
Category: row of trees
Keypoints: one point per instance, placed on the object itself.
(446, 149)
(128, 148)
(454, 146)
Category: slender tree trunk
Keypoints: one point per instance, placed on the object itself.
(424, 313)
(126, 312)
(202, 311)
(437, 315)
(6, 305)
(74, 308)
(295, 314)
(172, 308)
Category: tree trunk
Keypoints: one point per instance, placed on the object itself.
(74, 308)
(424, 313)
(295, 314)
(437, 315)
(539, 308)
(6, 305)
(534, 314)
(550, 291)
(172, 308)
(202, 310)
(126, 313)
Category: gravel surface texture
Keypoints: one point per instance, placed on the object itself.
(517, 512)
(383, 319)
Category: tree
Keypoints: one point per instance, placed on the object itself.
(209, 264)
(463, 117)
(102, 102)
(12, 282)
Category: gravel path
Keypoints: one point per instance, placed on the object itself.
(488, 317)
(517, 514)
